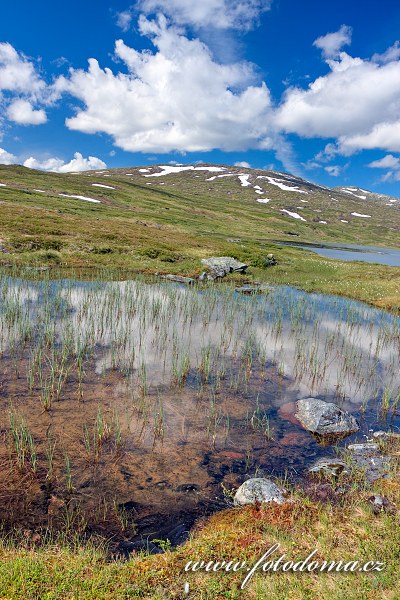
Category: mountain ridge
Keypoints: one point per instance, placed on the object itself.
(166, 218)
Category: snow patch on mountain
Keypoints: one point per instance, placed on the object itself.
(293, 214)
(169, 169)
(244, 180)
(280, 183)
(218, 176)
(351, 191)
(80, 198)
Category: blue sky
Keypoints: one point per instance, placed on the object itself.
(307, 87)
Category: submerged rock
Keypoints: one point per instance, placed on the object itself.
(330, 466)
(325, 418)
(258, 490)
(364, 448)
(248, 290)
(179, 279)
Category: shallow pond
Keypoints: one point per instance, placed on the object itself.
(128, 407)
(370, 254)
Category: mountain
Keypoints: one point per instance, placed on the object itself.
(165, 218)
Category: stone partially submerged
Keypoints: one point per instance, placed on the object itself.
(258, 490)
(179, 279)
(325, 419)
(329, 466)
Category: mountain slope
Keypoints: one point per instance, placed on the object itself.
(164, 219)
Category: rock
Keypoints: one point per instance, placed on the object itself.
(212, 275)
(386, 434)
(225, 263)
(234, 240)
(332, 467)
(368, 459)
(364, 448)
(188, 487)
(179, 279)
(248, 290)
(216, 274)
(325, 418)
(270, 261)
(382, 504)
(258, 490)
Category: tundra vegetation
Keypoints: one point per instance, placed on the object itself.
(122, 396)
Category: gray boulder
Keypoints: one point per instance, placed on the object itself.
(224, 263)
(325, 418)
(258, 490)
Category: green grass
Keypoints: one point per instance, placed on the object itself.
(169, 228)
(344, 531)
(131, 231)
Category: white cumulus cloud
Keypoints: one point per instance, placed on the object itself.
(357, 103)
(390, 162)
(332, 43)
(387, 162)
(21, 111)
(384, 135)
(17, 73)
(243, 163)
(391, 54)
(6, 158)
(21, 88)
(177, 98)
(57, 165)
(221, 14)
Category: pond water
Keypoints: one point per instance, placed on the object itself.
(370, 254)
(130, 405)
